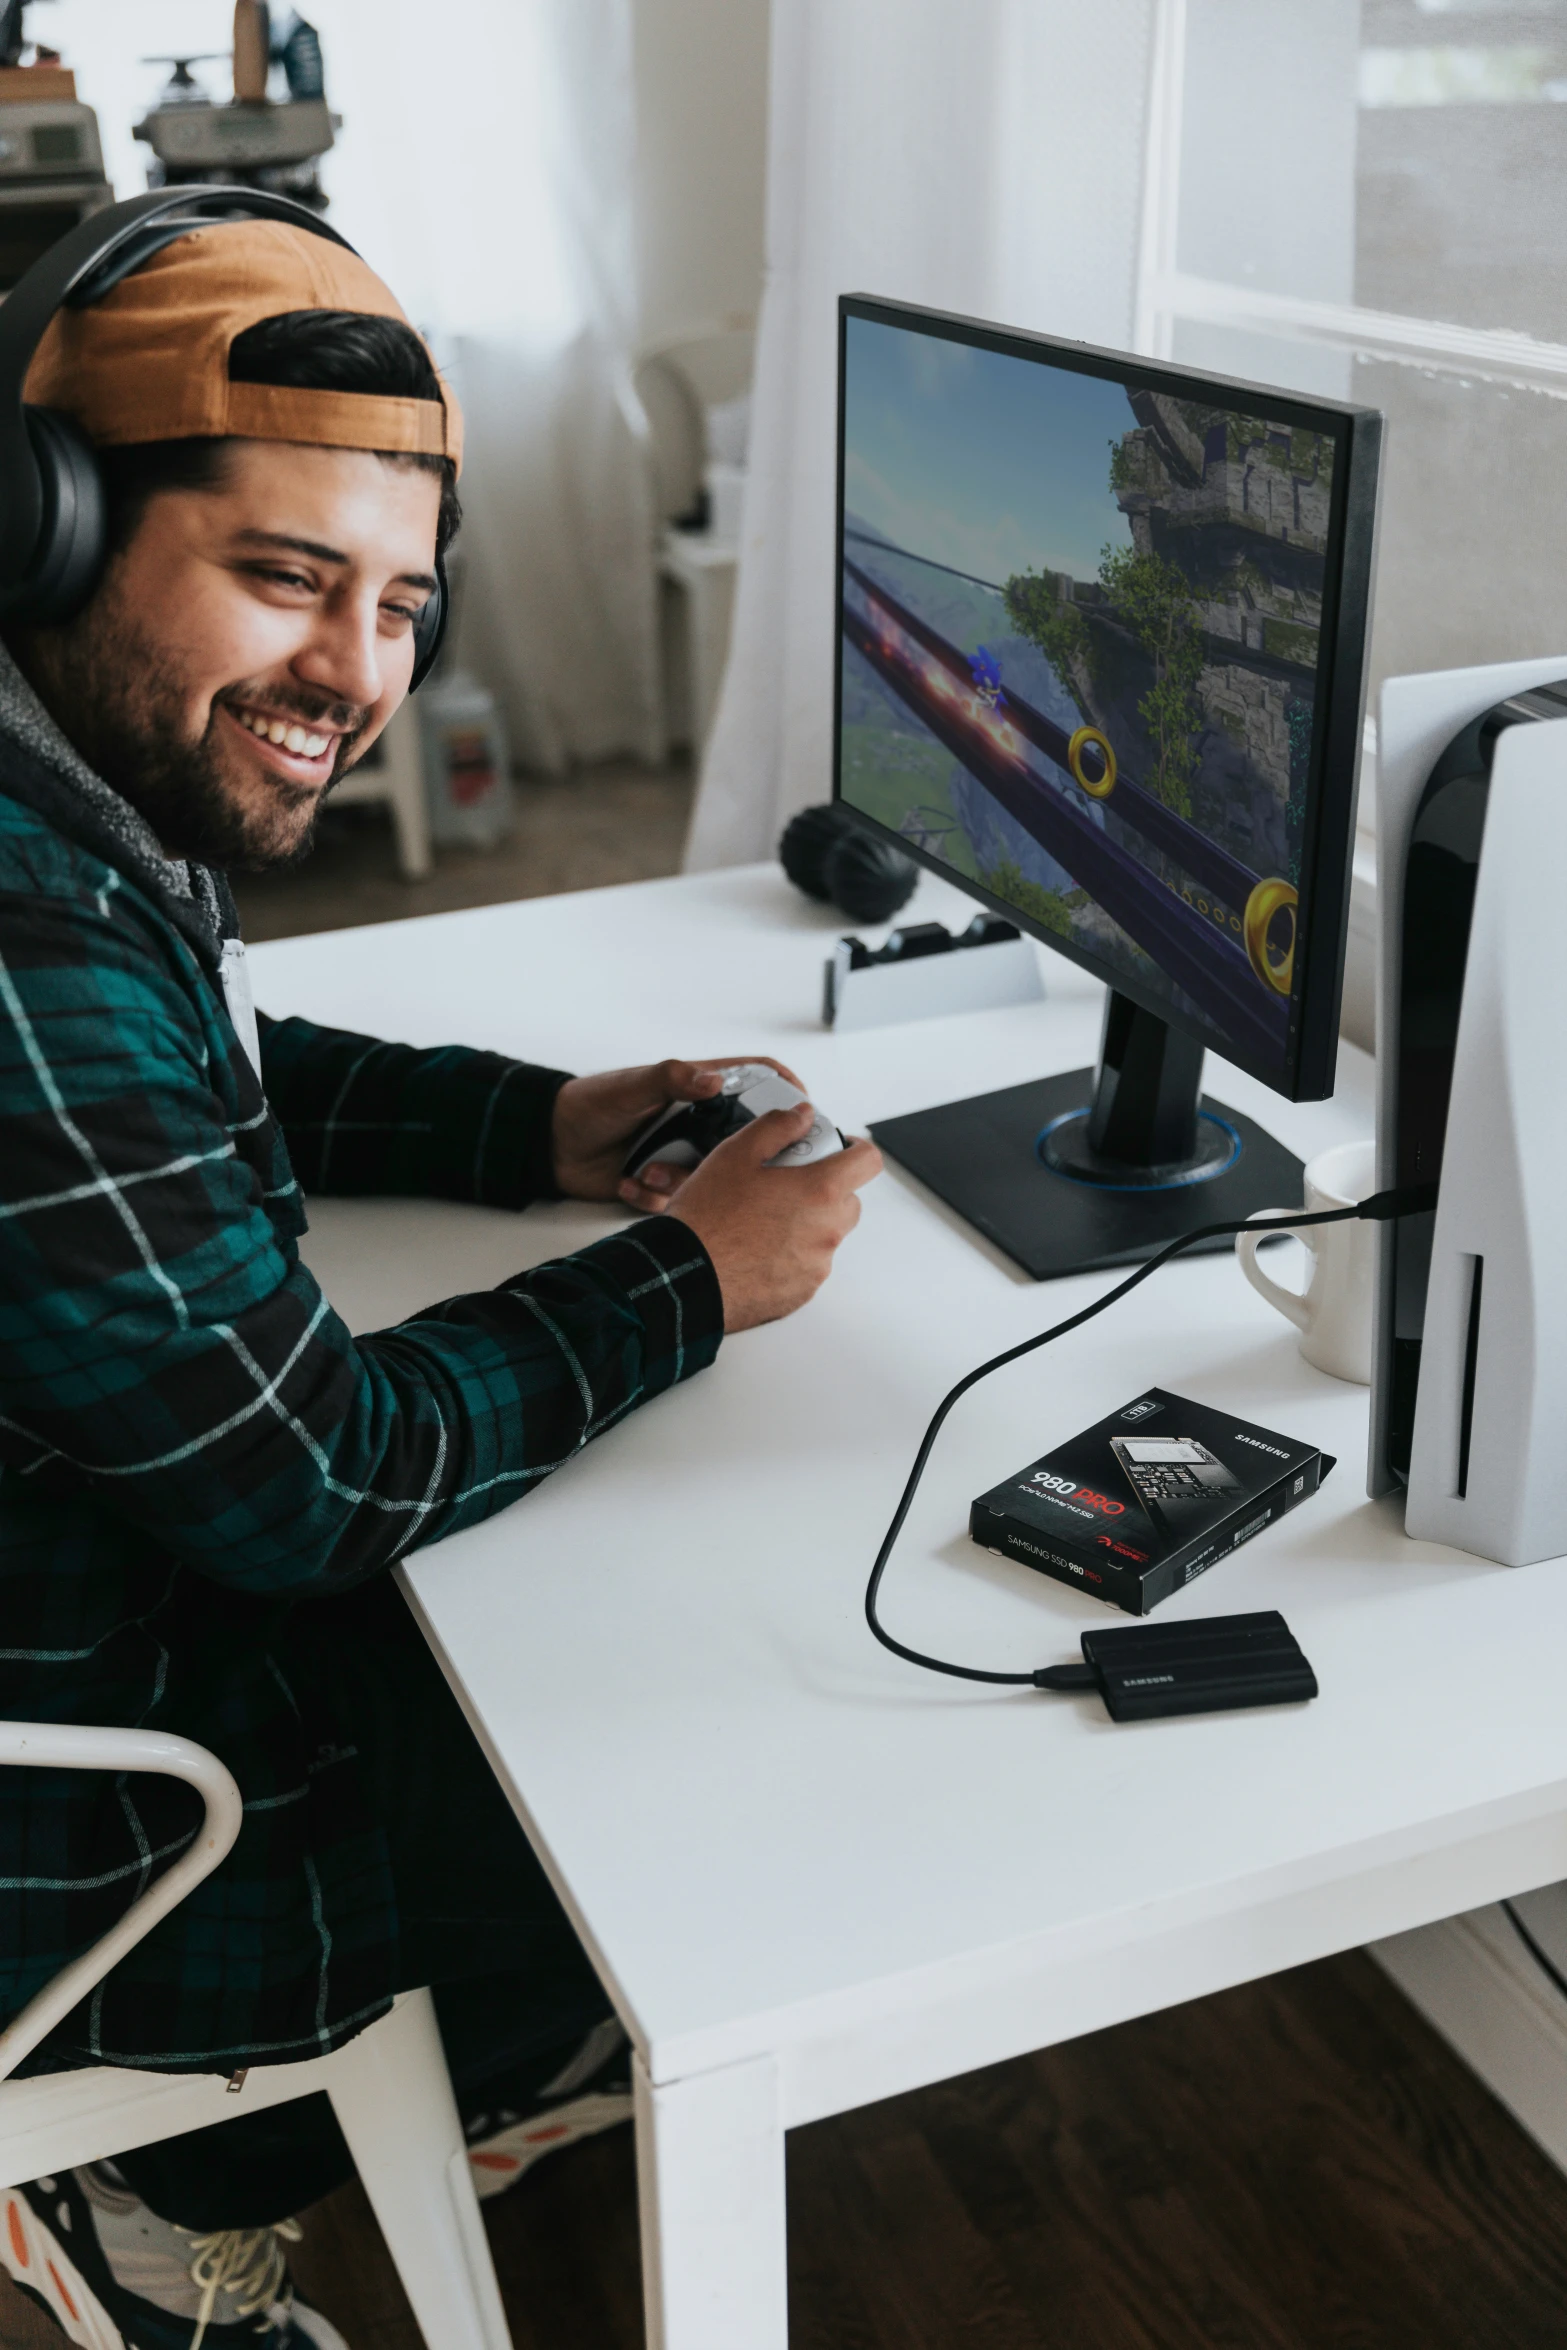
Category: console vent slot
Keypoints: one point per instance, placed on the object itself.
(1466, 1411)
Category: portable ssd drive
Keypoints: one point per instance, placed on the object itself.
(1214, 1665)
(1148, 1499)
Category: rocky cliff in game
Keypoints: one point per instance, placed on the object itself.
(1195, 649)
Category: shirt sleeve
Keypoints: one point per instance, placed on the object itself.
(449, 1122)
(162, 1345)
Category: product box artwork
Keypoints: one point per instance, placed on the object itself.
(1147, 1500)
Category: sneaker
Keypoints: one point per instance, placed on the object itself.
(590, 2094)
(114, 2276)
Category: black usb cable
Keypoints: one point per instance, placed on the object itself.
(1382, 1208)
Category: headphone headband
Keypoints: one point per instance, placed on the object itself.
(86, 263)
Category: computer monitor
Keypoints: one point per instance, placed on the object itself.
(1100, 664)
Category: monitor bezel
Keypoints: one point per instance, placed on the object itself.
(1333, 778)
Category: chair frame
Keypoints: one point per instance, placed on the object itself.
(397, 779)
(389, 2087)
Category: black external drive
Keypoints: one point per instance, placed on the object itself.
(1215, 1665)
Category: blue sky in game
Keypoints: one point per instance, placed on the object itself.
(977, 459)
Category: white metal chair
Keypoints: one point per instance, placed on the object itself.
(673, 380)
(389, 2087)
(393, 771)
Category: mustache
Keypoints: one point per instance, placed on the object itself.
(348, 719)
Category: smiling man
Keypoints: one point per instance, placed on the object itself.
(236, 770)
(204, 1477)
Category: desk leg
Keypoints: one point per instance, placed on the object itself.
(710, 2183)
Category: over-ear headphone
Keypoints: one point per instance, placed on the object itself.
(52, 513)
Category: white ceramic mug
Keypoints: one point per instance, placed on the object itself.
(1333, 1312)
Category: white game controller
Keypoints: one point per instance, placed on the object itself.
(682, 1135)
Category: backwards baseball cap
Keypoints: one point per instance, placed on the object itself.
(150, 362)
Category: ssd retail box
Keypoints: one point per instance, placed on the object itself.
(1147, 1499)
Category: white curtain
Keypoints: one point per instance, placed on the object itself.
(984, 156)
(485, 169)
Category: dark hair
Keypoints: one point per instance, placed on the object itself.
(307, 350)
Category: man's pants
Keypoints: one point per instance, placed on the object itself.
(514, 1991)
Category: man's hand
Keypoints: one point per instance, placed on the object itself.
(597, 1118)
(772, 1231)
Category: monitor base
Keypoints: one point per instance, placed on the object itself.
(981, 1156)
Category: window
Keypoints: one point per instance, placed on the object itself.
(1366, 198)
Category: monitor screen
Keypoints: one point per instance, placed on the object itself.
(1090, 614)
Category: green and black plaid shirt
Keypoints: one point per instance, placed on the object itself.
(193, 1447)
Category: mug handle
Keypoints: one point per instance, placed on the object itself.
(1289, 1302)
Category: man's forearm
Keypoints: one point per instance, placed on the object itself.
(445, 1122)
(276, 1454)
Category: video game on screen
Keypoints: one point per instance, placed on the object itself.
(1080, 646)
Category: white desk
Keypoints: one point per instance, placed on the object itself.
(810, 1875)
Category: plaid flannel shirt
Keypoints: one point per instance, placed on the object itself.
(194, 1449)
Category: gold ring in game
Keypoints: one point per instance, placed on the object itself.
(1101, 787)
(1267, 900)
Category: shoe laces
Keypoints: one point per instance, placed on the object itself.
(249, 2264)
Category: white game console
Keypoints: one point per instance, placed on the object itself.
(1469, 1379)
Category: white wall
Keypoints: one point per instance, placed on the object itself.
(700, 93)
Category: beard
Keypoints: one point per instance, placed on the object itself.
(126, 703)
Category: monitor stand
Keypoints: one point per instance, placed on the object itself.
(1100, 1167)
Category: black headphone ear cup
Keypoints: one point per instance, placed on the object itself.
(67, 558)
(429, 629)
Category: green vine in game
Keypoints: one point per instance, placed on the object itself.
(1052, 909)
(1152, 601)
(1040, 613)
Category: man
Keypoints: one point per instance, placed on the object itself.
(203, 1476)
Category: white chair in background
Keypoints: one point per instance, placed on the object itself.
(675, 381)
(392, 771)
(389, 2087)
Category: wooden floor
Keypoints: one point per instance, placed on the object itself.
(1298, 2165)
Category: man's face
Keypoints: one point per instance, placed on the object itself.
(248, 645)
